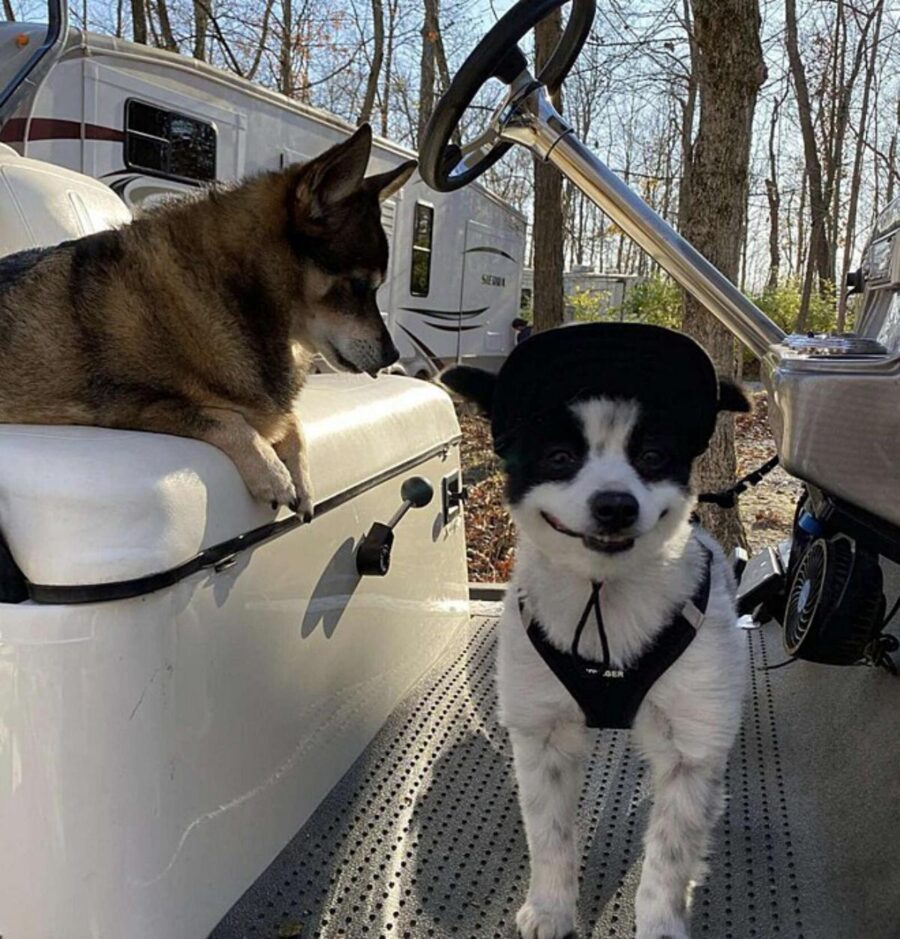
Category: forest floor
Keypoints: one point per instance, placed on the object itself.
(767, 510)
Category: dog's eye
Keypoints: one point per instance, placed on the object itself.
(361, 288)
(559, 459)
(653, 459)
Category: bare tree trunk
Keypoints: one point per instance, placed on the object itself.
(819, 252)
(549, 302)
(892, 158)
(165, 26)
(833, 144)
(263, 40)
(430, 33)
(139, 21)
(856, 175)
(393, 6)
(303, 43)
(688, 113)
(201, 29)
(844, 96)
(152, 31)
(773, 196)
(8, 12)
(365, 113)
(730, 70)
(285, 58)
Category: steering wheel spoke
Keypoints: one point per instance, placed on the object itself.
(475, 151)
(511, 65)
(445, 166)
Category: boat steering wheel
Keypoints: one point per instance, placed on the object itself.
(445, 166)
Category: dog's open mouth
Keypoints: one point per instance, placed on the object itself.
(606, 544)
(344, 362)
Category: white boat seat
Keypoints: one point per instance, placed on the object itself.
(89, 505)
(42, 204)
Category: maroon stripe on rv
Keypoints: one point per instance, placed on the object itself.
(51, 128)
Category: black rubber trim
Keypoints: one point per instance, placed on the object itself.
(222, 554)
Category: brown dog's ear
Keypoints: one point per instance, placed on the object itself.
(335, 174)
(473, 384)
(732, 397)
(384, 185)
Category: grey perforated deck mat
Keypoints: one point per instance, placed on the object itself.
(422, 838)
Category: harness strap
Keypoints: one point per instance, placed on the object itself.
(592, 604)
(727, 498)
(611, 697)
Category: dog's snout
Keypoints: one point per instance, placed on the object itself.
(614, 511)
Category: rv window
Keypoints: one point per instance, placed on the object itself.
(168, 143)
(420, 278)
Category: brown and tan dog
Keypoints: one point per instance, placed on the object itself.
(200, 318)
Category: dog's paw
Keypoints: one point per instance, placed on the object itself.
(304, 502)
(270, 482)
(303, 505)
(542, 923)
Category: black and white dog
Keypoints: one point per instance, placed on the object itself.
(621, 612)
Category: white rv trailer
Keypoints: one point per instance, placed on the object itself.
(151, 123)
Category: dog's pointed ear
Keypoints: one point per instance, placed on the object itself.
(473, 384)
(384, 185)
(732, 397)
(335, 174)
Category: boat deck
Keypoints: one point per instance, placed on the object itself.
(422, 837)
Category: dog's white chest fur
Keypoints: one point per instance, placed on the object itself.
(635, 609)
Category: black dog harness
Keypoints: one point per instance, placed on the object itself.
(611, 697)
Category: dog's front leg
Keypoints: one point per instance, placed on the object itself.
(292, 451)
(549, 765)
(687, 803)
(263, 472)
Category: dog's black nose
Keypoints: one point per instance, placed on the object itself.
(389, 355)
(614, 511)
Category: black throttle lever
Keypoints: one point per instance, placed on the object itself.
(373, 556)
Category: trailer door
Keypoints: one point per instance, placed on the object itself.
(489, 298)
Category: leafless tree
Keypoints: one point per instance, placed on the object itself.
(430, 34)
(819, 249)
(365, 113)
(201, 30)
(139, 21)
(549, 307)
(773, 197)
(730, 69)
(871, 60)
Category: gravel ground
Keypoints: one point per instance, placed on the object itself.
(767, 510)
